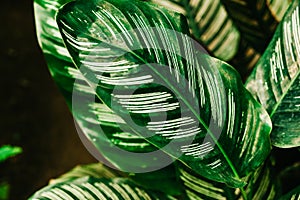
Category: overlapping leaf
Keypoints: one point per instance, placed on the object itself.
(70, 80)
(166, 177)
(261, 185)
(95, 189)
(276, 80)
(256, 19)
(209, 24)
(192, 106)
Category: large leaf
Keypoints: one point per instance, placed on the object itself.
(209, 24)
(276, 80)
(261, 185)
(256, 19)
(104, 119)
(93, 188)
(223, 137)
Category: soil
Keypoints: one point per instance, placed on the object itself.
(33, 112)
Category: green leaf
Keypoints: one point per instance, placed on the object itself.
(9, 151)
(4, 191)
(164, 180)
(211, 26)
(292, 195)
(256, 19)
(95, 170)
(275, 81)
(166, 177)
(261, 185)
(216, 142)
(64, 73)
(47, 31)
(209, 23)
(93, 188)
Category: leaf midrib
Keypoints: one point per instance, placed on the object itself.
(182, 97)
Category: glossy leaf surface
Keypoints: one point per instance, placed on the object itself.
(93, 188)
(114, 47)
(276, 80)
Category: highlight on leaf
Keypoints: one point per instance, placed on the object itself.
(132, 55)
(97, 188)
(70, 80)
(276, 80)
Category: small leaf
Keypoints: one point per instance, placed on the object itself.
(276, 80)
(9, 151)
(93, 188)
(4, 191)
(100, 36)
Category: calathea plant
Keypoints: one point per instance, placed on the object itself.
(178, 122)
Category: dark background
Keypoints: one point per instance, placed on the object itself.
(33, 112)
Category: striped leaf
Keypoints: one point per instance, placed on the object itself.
(276, 80)
(93, 117)
(209, 24)
(94, 189)
(261, 185)
(194, 109)
(95, 170)
(166, 177)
